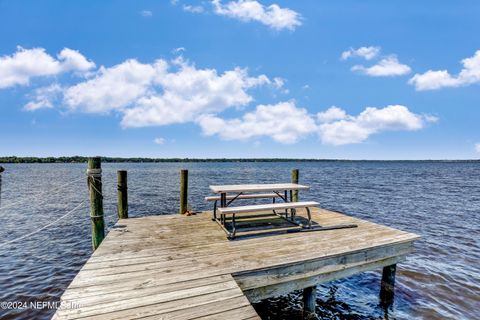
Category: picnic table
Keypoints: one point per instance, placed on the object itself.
(230, 193)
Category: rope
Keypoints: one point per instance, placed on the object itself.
(44, 227)
(41, 193)
(96, 173)
(93, 185)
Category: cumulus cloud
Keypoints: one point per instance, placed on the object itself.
(162, 93)
(367, 53)
(72, 60)
(331, 114)
(115, 87)
(24, 64)
(338, 128)
(272, 16)
(283, 122)
(286, 123)
(387, 67)
(167, 92)
(43, 97)
(190, 92)
(433, 80)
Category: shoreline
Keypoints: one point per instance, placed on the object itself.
(81, 159)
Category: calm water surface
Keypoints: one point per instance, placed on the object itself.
(438, 200)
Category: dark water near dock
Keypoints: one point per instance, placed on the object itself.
(438, 200)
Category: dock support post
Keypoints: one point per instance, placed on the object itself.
(309, 300)
(122, 188)
(387, 287)
(183, 191)
(294, 193)
(94, 174)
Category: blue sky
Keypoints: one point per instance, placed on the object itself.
(296, 79)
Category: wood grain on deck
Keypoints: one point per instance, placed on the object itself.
(183, 267)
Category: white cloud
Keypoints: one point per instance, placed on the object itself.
(114, 88)
(159, 140)
(387, 67)
(192, 8)
(162, 93)
(43, 97)
(72, 60)
(191, 92)
(367, 53)
(331, 114)
(432, 80)
(146, 13)
(338, 128)
(25, 64)
(250, 10)
(283, 122)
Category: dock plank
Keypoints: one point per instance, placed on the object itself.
(178, 267)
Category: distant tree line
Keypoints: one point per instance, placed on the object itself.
(81, 159)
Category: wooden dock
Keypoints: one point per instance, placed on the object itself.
(183, 267)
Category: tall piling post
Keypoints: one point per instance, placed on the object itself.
(94, 179)
(294, 193)
(122, 187)
(183, 191)
(387, 286)
(309, 293)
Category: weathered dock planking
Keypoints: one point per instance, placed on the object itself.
(183, 267)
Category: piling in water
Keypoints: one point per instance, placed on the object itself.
(122, 192)
(387, 287)
(183, 191)
(94, 174)
(309, 300)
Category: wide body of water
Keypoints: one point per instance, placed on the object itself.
(438, 200)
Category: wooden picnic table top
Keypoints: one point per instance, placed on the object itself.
(257, 187)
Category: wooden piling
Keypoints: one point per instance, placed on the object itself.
(94, 174)
(387, 287)
(294, 193)
(309, 300)
(122, 188)
(183, 191)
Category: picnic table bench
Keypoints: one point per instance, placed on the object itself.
(247, 191)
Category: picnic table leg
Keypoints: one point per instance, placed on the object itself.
(223, 203)
(309, 217)
(232, 234)
(215, 210)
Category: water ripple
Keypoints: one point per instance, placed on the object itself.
(438, 200)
